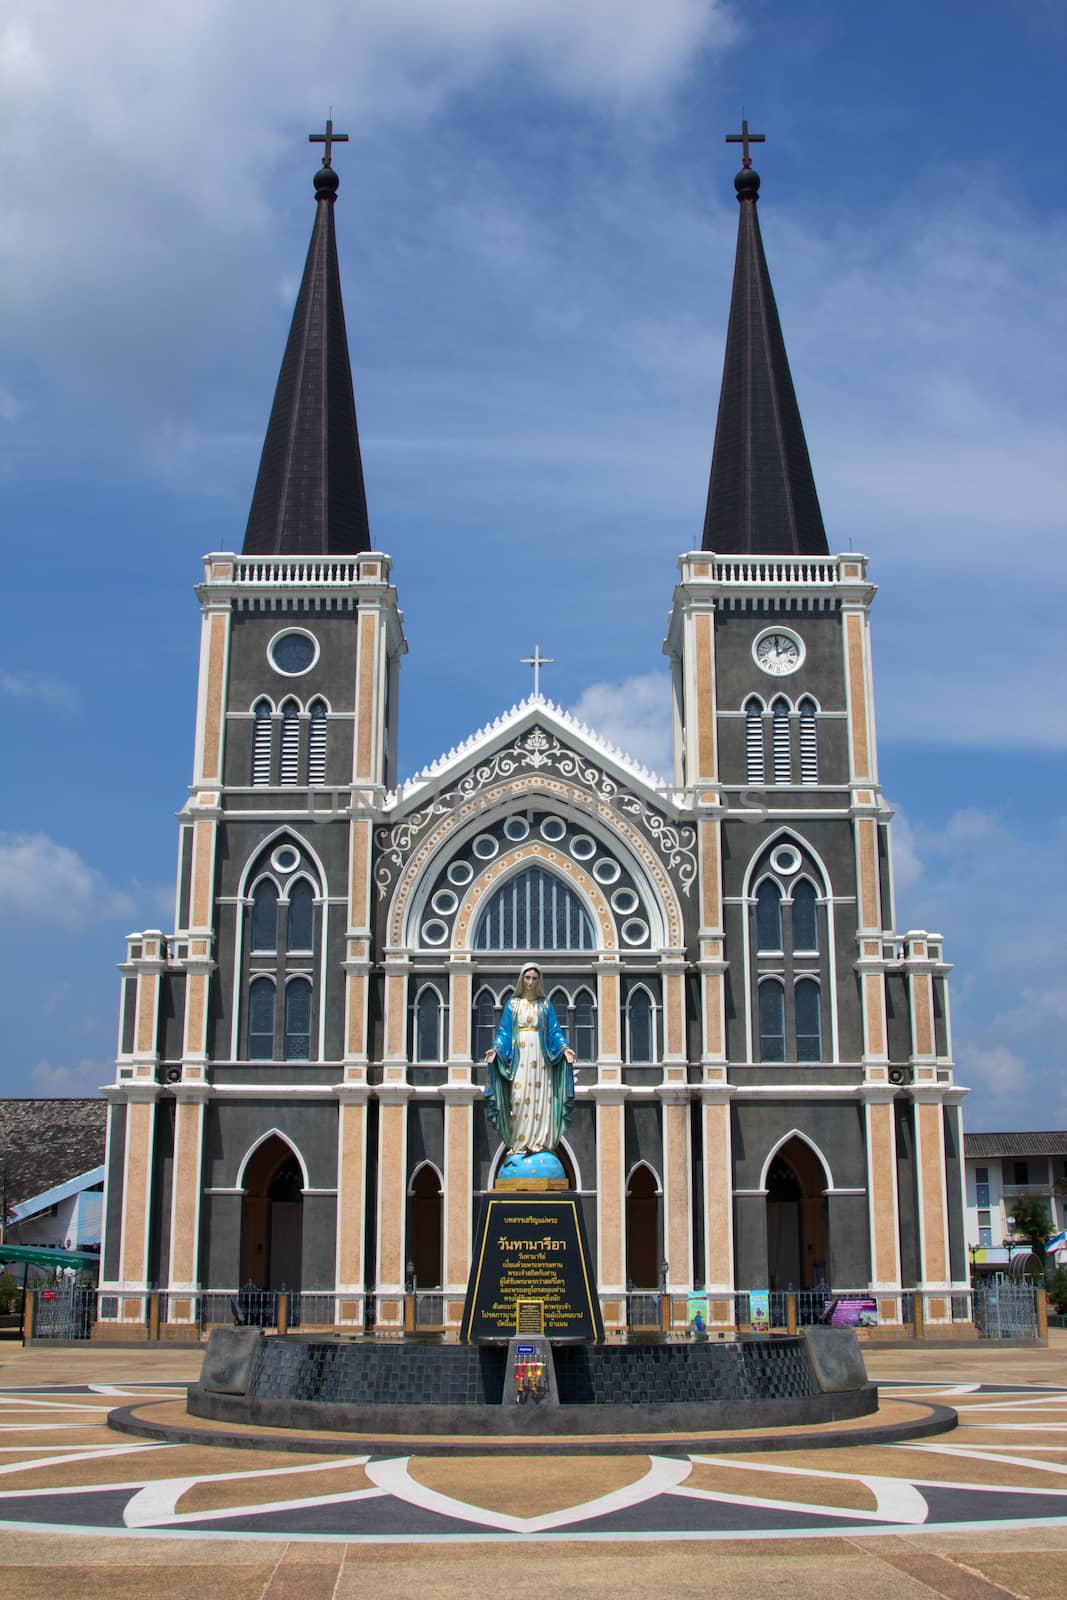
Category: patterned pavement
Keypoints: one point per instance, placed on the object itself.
(63, 1470)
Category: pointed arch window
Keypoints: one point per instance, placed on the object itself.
(261, 999)
(317, 728)
(755, 769)
(782, 741)
(640, 1026)
(428, 1025)
(768, 917)
(583, 1029)
(263, 929)
(290, 767)
(809, 741)
(262, 738)
(298, 1020)
(771, 1020)
(808, 1009)
(805, 918)
(300, 931)
(484, 1023)
(535, 910)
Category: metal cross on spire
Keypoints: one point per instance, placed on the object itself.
(744, 139)
(329, 139)
(537, 661)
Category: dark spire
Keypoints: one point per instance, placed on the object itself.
(309, 497)
(761, 498)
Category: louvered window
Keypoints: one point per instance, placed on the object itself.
(809, 742)
(298, 1020)
(262, 730)
(755, 770)
(771, 1021)
(290, 771)
(783, 762)
(261, 1020)
(534, 911)
(317, 742)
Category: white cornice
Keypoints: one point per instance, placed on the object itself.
(535, 709)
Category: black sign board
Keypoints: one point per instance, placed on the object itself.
(531, 1247)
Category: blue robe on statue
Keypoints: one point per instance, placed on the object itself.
(500, 1074)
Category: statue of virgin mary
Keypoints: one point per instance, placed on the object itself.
(529, 1089)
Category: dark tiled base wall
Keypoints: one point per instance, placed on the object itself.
(464, 1375)
(457, 1389)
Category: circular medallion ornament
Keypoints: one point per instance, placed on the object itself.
(778, 651)
(293, 652)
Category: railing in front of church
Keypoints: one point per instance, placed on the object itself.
(999, 1312)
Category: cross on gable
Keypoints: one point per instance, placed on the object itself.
(744, 139)
(537, 661)
(329, 139)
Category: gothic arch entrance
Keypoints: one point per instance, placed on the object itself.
(272, 1218)
(642, 1229)
(425, 1234)
(796, 1218)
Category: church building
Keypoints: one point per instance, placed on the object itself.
(765, 1095)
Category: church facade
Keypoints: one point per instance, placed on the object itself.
(765, 1095)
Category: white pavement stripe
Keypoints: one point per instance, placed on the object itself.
(963, 1453)
(663, 1475)
(896, 1499)
(99, 1453)
(157, 1501)
(901, 1506)
(262, 1509)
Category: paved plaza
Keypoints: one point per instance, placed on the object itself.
(979, 1511)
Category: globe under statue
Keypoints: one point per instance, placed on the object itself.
(529, 1089)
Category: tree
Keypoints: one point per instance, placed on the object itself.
(1030, 1221)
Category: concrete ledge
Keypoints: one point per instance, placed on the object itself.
(559, 1422)
(142, 1421)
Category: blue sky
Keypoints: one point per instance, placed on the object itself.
(536, 223)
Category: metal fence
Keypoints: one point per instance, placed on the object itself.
(1006, 1309)
(67, 1311)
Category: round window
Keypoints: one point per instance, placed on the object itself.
(582, 847)
(444, 902)
(293, 653)
(635, 931)
(785, 858)
(553, 829)
(516, 828)
(284, 858)
(434, 932)
(606, 871)
(460, 873)
(624, 901)
(485, 847)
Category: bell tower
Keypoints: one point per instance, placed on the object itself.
(817, 1015)
(257, 1007)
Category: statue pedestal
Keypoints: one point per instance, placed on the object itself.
(532, 1272)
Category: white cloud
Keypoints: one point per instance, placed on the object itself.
(10, 408)
(634, 714)
(74, 1083)
(54, 692)
(994, 893)
(45, 883)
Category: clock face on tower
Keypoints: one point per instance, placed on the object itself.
(778, 651)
